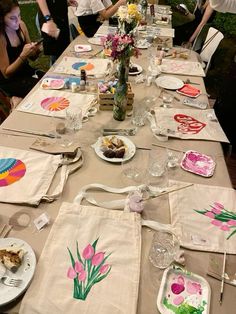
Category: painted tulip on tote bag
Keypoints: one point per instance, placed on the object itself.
(90, 263)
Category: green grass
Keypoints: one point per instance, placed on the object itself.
(28, 13)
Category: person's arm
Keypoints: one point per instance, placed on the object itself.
(224, 6)
(72, 3)
(108, 12)
(50, 25)
(207, 14)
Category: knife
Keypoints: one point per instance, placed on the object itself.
(50, 135)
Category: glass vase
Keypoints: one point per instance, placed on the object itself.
(120, 97)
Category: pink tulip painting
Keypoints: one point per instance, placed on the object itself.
(222, 218)
(87, 270)
(97, 259)
(88, 252)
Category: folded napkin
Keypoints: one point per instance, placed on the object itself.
(51, 147)
(189, 90)
(216, 264)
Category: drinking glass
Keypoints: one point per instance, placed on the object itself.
(157, 173)
(139, 114)
(167, 100)
(67, 129)
(134, 170)
(164, 249)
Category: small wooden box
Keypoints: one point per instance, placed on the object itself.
(106, 100)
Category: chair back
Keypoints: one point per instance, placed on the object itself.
(5, 106)
(210, 45)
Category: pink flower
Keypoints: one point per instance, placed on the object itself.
(231, 222)
(78, 267)
(216, 210)
(216, 222)
(210, 215)
(88, 252)
(71, 273)
(82, 275)
(225, 228)
(218, 205)
(103, 269)
(97, 258)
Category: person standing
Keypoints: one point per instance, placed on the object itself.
(17, 77)
(53, 18)
(91, 13)
(203, 14)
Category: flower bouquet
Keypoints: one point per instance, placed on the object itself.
(122, 48)
(87, 271)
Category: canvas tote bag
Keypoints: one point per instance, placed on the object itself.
(25, 176)
(204, 218)
(90, 262)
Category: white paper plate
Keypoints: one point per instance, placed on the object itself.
(142, 44)
(52, 83)
(24, 272)
(180, 287)
(96, 40)
(130, 149)
(169, 82)
(140, 69)
(82, 48)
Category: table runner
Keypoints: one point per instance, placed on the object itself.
(190, 124)
(204, 217)
(54, 103)
(93, 67)
(90, 264)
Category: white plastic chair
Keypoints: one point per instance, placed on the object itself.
(210, 45)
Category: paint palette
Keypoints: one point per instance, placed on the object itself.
(183, 292)
(198, 163)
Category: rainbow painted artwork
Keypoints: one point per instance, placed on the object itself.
(55, 103)
(11, 171)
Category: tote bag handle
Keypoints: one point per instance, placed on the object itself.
(117, 204)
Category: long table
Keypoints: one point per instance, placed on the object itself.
(97, 170)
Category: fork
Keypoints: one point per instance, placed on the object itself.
(12, 282)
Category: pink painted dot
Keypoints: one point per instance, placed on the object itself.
(216, 210)
(210, 215)
(216, 222)
(225, 228)
(178, 300)
(231, 222)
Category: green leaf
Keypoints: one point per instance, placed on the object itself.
(71, 257)
(95, 244)
(78, 254)
(102, 277)
(231, 234)
(201, 211)
(95, 269)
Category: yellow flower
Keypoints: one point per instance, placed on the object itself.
(133, 11)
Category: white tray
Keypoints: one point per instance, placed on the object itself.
(181, 288)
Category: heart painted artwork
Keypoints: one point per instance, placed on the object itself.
(188, 125)
(191, 124)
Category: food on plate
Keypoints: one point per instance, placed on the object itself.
(113, 147)
(133, 69)
(11, 257)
